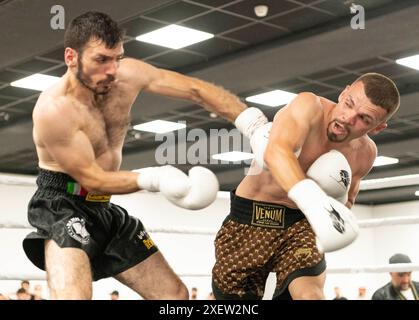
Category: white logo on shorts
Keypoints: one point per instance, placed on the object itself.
(77, 230)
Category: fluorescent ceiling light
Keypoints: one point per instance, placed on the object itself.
(233, 156)
(159, 126)
(273, 98)
(417, 193)
(411, 62)
(174, 36)
(383, 161)
(36, 81)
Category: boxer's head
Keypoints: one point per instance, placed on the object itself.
(363, 107)
(93, 49)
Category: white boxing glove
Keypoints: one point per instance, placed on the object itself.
(253, 124)
(333, 174)
(259, 142)
(334, 224)
(249, 120)
(193, 192)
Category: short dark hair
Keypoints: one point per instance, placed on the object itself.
(92, 25)
(20, 290)
(381, 91)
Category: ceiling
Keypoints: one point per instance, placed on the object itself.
(301, 45)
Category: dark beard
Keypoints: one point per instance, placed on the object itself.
(82, 78)
(333, 137)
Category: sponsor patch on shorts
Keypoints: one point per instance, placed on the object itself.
(97, 198)
(146, 240)
(76, 228)
(268, 216)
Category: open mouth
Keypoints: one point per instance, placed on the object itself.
(339, 128)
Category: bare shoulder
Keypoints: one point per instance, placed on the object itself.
(304, 105)
(136, 71)
(54, 111)
(369, 147)
(367, 153)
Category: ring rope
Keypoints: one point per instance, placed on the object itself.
(372, 184)
(366, 223)
(399, 267)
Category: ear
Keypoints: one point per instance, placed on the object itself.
(343, 93)
(378, 128)
(70, 57)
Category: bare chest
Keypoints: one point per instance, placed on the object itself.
(106, 126)
(317, 146)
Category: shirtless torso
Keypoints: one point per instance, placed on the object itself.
(359, 152)
(102, 122)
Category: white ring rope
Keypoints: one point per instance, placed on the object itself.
(16, 180)
(366, 223)
(373, 184)
(399, 267)
(396, 267)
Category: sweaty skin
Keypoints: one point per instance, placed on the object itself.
(308, 122)
(80, 123)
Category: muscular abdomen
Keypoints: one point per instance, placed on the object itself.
(263, 187)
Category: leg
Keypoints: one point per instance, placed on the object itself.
(308, 287)
(154, 279)
(68, 270)
(300, 266)
(242, 266)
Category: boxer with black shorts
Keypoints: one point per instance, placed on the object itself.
(79, 128)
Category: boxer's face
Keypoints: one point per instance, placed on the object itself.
(355, 115)
(97, 66)
(401, 280)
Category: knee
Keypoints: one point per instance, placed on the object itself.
(180, 293)
(308, 294)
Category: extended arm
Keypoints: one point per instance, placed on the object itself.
(175, 85)
(70, 147)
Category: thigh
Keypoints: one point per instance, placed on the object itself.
(243, 260)
(68, 272)
(153, 278)
(299, 258)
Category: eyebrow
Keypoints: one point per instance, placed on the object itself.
(110, 57)
(364, 114)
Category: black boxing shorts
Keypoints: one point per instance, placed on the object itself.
(63, 211)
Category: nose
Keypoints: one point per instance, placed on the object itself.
(112, 68)
(349, 117)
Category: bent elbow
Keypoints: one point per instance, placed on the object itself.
(269, 156)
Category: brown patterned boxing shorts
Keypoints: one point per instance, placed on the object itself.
(257, 238)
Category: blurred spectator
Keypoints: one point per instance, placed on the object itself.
(37, 293)
(362, 293)
(401, 286)
(3, 297)
(114, 295)
(338, 294)
(21, 294)
(194, 293)
(210, 296)
(25, 285)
